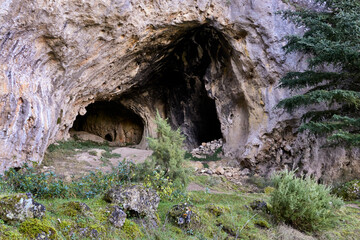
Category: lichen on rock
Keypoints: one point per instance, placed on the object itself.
(184, 216)
(135, 199)
(19, 207)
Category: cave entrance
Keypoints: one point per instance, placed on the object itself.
(111, 121)
(182, 80)
(190, 103)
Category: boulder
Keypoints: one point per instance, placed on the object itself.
(137, 200)
(20, 207)
(184, 215)
(117, 216)
(219, 170)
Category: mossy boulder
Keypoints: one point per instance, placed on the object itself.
(76, 209)
(184, 216)
(20, 207)
(216, 210)
(37, 229)
(136, 200)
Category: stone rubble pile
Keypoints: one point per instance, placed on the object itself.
(208, 148)
(234, 174)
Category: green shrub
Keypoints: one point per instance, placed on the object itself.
(41, 185)
(302, 203)
(349, 191)
(162, 185)
(46, 185)
(168, 155)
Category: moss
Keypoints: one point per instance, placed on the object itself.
(132, 230)
(7, 232)
(216, 210)
(33, 227)
(262, 223)
(66, 226)
(74, 209)
(268, 190)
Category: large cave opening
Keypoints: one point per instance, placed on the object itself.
(189, 104)
(182, 79)
(112, 121)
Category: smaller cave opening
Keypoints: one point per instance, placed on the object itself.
(111, 121)
(108, 137)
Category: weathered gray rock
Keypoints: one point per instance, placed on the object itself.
(117, 216)
(19, 207)
(135, 199)
(211, 67)
(183, 215)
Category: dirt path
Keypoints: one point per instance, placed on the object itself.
(93, 159)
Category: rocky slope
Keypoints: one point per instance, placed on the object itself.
(211, 67)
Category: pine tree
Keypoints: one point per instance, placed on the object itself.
(168, 153)
(332, 41)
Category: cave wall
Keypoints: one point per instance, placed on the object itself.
(57, 57)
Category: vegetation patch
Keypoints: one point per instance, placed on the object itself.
(35, 228)
(303, 203)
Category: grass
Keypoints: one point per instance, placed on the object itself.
(236, 219)
(233, 218)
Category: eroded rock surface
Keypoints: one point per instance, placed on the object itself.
(19, 207)
(211, 67)
(136, 199)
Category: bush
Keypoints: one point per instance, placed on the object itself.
(162, 185)
(349, 191)
(169, 155)
(46, 185)
(302, 203)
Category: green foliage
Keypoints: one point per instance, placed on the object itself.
(302, 203)
(132, 230)
(168, 155)
(47, 185)
(42, 185)
(348, 191)
(162, 185)
(332, 41)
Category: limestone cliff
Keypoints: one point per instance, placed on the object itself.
(211, 67)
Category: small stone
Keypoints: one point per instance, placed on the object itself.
(245, 171)
(287, 148)
(258, 205)
(219, 170)
(203, 144)
(117, 216)
(228, 174)
(197, 165)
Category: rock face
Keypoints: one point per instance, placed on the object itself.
(211, 67)
(19, 207)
